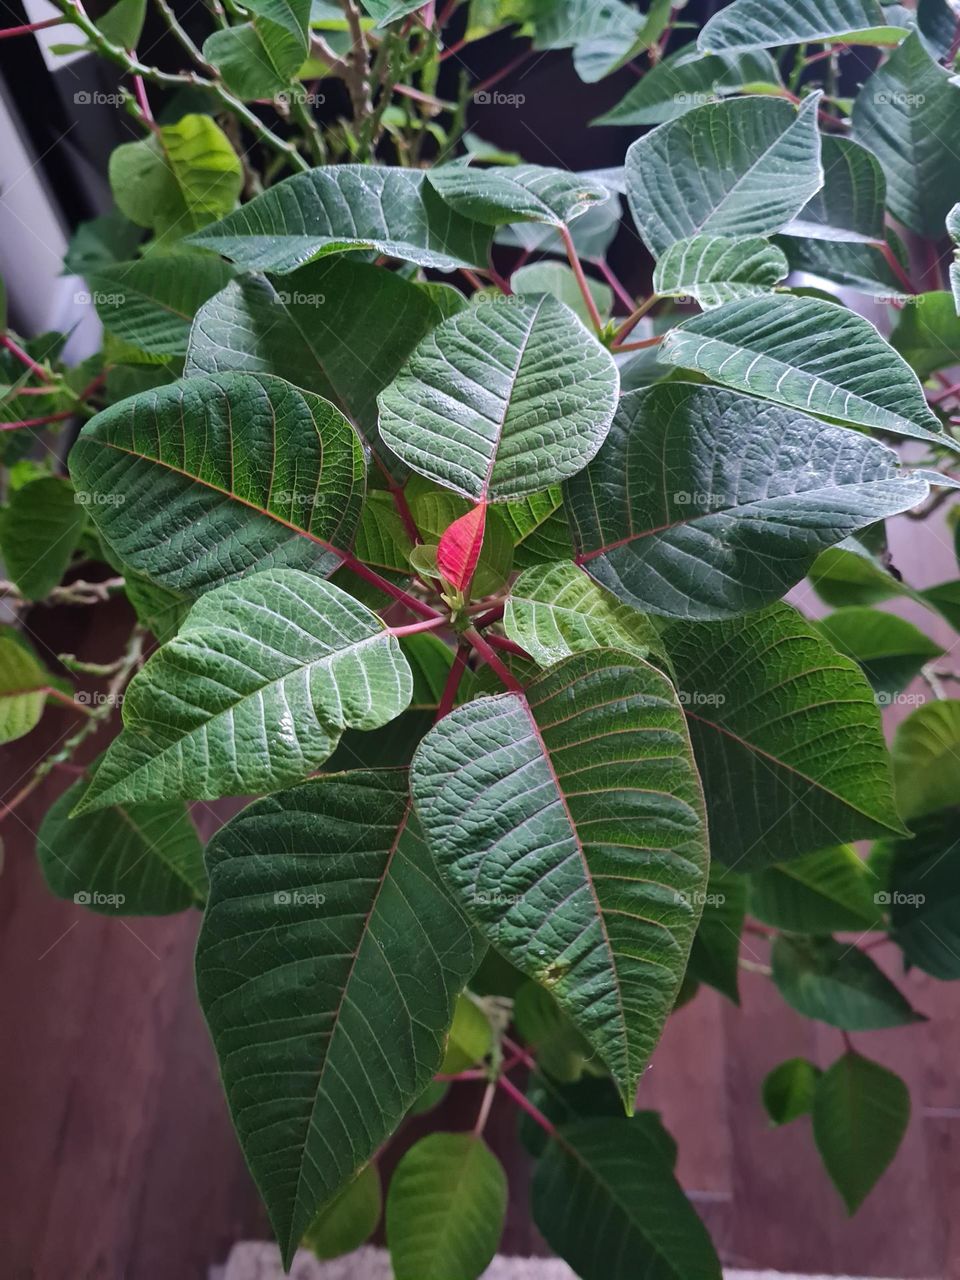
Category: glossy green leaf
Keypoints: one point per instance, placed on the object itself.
(850, 205)
(327, 967)
(787, 738)
(923, 894)
(908, 115)
(39, 531)
(926, 758)
(138, 860)
(446, 1208)
(345, 207)
(554, 610)
(788, 1091)
(590, 1096)
(180, 178)
(927, 334)
(349, 1219)
(837, 983)
(678, 83)
(890, 650)
(261, 58)
(339, 327)
(253, 693)
(605, 1198)
(829, 891)
(556, 278)
(150, 304)
(705, 504)
(717, 269)
(267, 476)
(502, 400)
(516, 193)
(715, 955)
(751, 24)
(860, 1114)
(576, 845)
(739, 168)
(809, 354)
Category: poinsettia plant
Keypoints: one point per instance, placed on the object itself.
(468, 568)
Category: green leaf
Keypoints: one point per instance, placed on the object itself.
(338, 327)
(349, 1219)
(560, 1049)
(502, 400)
(752, 24)
(788, 1091)
(516, 193)
(159, 609)
(540, 528)
(890, 650)
(141, 860)
(813, 355)
(927, 334)
(151, 303)
(850, 205)
(180, 178)
(606, 1172)
(327, 968)
(924, 894)
(556, 278)
(554, 610)
(345, 207)
(617, 42)
(267, 476)
(261, 58)
(446, 1208)
(705, 504)
(576, 845)
(718, 269)
(386, 11)
(860, 1114)
(837, 984)
(253, 692)
(122, 24)
(926, 758)
(787, 737)
(850, 575)
(678, 83)
(24, 685)
(99, 242)
(829, 891)
(470, 1038)
(908, 114)
(715, 955)
(39, 531)
(740, 168)
(855, 266)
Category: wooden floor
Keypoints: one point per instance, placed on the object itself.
(117, 1161)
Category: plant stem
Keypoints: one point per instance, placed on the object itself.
(180, 34)
(485, 1106)
(21, 355)
(430, 624)
(614, 282)
(383, 584)
(492, 661)
(508, 646)
(634, 318)
(524, 1103)
(577, 267)
(38, 422)
(67, 701)
(894, 264)
(452, 685)
(638, 346)
(9, 32)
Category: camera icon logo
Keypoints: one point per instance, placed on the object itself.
(82, 898)
(282, 898)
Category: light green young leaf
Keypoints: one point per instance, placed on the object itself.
(517, 193)
(445, 1208)
(705, 504)
(718, 269)
(838, 984)
(926, 758)
(150, 303)
(787, 738)
(266, 475)
(138, 860)
(788, 1091)
(739, 168)
(812, 355)
(349, 1219)
(860, 1114)
(829, 891)
(908, 115)
(850, 575)
(678, 83)
(584, 865)
(39, 531)
(345, 207)
(502, 400)
(752, 24)
(849, 207)
(326, 889)
(261, 58)
(122, 24)
(927, 334)
(253, 693)
(24, 685)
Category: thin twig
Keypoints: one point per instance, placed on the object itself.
(577, 268)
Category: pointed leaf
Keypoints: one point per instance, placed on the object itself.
(23, 689)
(349, 1219)
(262, 57)
(739, 168)
(837, 984)
(459, 548)
(517, 193)
(890, 650)
(327, 968)
(715, 955)
(813, 355)
(197, 482)
(609, 1172)
(850, 205)
(502, 400)
(788, 1091)
(678, 83)
(253, 692)
(924, 894)
(576, 845)
(926, 758)
(705, 504)
(39, 531)
(829, 891)
(141, 860)
(446, 1208)
(787, 737)
(860, 1114)
(718, 269)
(751, 24)
(908, 115)
(348, 206)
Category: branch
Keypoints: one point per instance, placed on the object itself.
(577, 269)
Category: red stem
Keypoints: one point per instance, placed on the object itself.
(504, 71)
(143, 102)
(37, 422)
(452, 685)
(382, 584)
(488, 618)
(22, 356)
(577, 268)
(508, 646)
(894, 264)
(431, 624)
(67, 700)
(8, 32)
(524, 1103)
(618, 288)
(638, 346)
(492, 661)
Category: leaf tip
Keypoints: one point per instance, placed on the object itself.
(460, 546)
